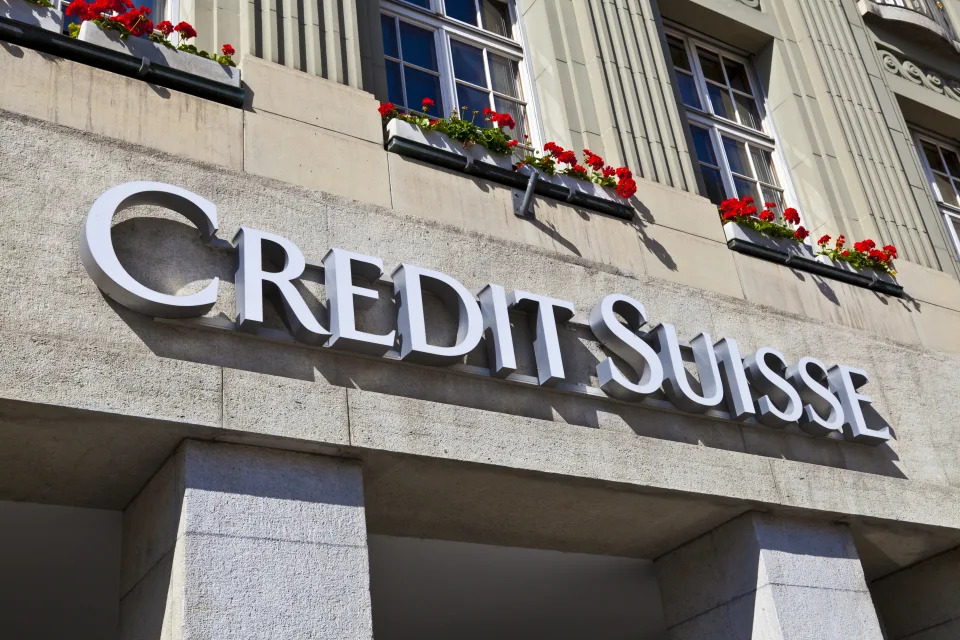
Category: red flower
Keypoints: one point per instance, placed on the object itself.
(566, 157)
(730, 204)
(166, 28)
(747, 200)
(864, 245)
(801, 233)
(879, 256)
(503, 120)
(626, 187)
(488, 111)
(426, 103)
(79, 9)
(227, 49)
(433, 123)
(386, 109)
(185, 30)
(624, 174)
(791, 216)
(749, 210)
(770, 205)
(840, 242)
(892, 250)
(846, 254)
(823, 240)
(512, 143)
(766, 215)
(592, 159)
(609, 172)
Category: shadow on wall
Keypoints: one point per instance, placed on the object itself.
(160, 239)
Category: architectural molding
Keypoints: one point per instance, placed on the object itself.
(752, 3)
(909, 70)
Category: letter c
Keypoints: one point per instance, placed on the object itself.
(101, 262)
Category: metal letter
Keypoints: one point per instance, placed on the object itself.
(496, 326)
(736, 388)
(624, 342)
(409, 283)
(253, 246)
(676, 385)
(810, 375)
(339, 269)
(767, 381)
(546, 344)
(100, 259)
(844, 381)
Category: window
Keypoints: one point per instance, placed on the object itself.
(458, 53)
(941, 163)
(736, 156)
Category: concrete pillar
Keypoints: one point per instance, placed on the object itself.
(761, 577)
(229, 542)
(922, 602)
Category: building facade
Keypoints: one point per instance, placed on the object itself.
(383, 394)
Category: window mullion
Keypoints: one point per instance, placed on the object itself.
(725, 172)
(486, 71)
(448, 84)
(699, 80)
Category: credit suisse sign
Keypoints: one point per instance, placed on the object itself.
(762, 386)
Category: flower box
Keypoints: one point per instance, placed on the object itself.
(45, 18)
(438, 148)
(872, 278)
(750, 241)
(159, 54)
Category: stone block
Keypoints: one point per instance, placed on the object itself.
(323, 160)
(83, 97)
(690, 260)
(929, 285)
(938, 328)
(279, 90)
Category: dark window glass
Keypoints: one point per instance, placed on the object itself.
(421, 85)
(933, 156)
(737, 74)
(389, 30)
(496, 17)
(747, 188)
(703, 145)
(714, 184)
(712, 70)
(953, 163)
(418, 46)
(747, 108)
(516, 110)
(720, 99)
(394, 86)
(504, 75)
(464, 10)
(468, 63)
(688, 90)
(737, 156)
(474, 101)
(678, 54)
(947, 194)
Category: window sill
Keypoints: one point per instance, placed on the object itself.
(121, 62)
(437, 148)
(799, 255)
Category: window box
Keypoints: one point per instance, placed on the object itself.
(45, 18)
(438, 148)
(872, 278)
(751, 241)
(157, 53)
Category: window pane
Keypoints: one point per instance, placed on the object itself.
(421, 85)
(474, 101)
(763, 162)
(688, 90)
(703, 145)
(737, 75)
(389, 30)
(394, 87)
(714, 184)
(504, 75)
(418, 47)
(933, 156)
(775, 196)
(710, 64)
(946, 190)
(468, 63)
(747, 108)
(721, 101)
(465, 10)
(953, 163)
(515, 110)
(737, 156)
(496, 17)
(747, 188)
(678, 54)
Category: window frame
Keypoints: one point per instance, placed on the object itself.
(718, 126)
(445, 29)
(949, 212)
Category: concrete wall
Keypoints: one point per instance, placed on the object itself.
(434, 589)
(60, 569)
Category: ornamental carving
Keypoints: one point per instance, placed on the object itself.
(752, 3)
(947, 86)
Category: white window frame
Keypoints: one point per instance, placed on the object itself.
(445, 29)
(705, 118)
(950, 213)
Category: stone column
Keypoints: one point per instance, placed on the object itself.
(922, 602)
(762, 577)
(229, 542)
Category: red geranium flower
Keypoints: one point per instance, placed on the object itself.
(427, 103)
(767, 216)
(609, 172)
(80, 10)
(748, 200)
(487, 111)
(892, 250)
(227, 49)
(592, 159)
(791, 216)
(166, 28)
(770, 205)
(185, 30)
(386, 109)
(512, 143)
(626, 187)
(801, 233)
(823, 240)
(624, 174)
(566, 157)
(840, 242)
